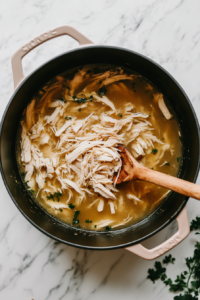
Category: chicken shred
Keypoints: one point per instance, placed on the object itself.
(86, 151)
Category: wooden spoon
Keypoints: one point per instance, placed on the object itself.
(131, 170)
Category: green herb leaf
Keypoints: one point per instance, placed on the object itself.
(195, 224)
(168, 259)
(188, 282)
(88, 221)
(95, 226)
(32, 192)
(75, 220)
(108, 228)
(178, 159)
(154, 151)
(70, 205)
(167, 164)
(79, 109)
(68, 118)
(156, 273)
(102, 91)
(80, 100)
(91, 98)
(120, 115)
(60, 209)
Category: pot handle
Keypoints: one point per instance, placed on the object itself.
(18, 74)
(179, 236)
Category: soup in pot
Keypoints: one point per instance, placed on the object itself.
(67, 148)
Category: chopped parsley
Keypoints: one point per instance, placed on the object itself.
(149, 115)
(187, 283)
(102, 91)
(52, 196)
(32, 192)
(108, 228)
(71, 205)
(167, 164)
(180, 138)
(79, 109)
(62, 99)
(23, 174)
(88, 221)
(154, 151)
(91, 98)
(169, 259)
(89, 187)
(95, 226)
(178, 159)
(80, 100)
(75, 220)
(60, 209)
(68, 118)
(120, 115)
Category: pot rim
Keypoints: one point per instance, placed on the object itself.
(83, 246)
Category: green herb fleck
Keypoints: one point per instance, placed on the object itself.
(95, 226)
(195, 224)
(32, 192)
(79, 109)
(89, 187)
(178, 159)
(149, 115)
(99, 195)
(71, 205)
(78, 226)
(80, 100)
(60, 209)
(75, 220)
(91, 98)
(169, 259)
(120, 115)
(108, 228)
(74, 97)
(88, 221)
(154, 151)
(68, 118)
(102, 91)
(167, 164)
(52, 196)
(180, 139)
(152, 168)
(23, 174)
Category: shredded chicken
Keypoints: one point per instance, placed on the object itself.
(82, 153)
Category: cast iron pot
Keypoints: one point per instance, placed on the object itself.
(173, 207)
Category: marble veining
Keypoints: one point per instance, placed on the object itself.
(32, 266)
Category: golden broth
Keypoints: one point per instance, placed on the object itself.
(141, 95)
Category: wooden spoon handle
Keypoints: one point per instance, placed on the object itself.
(175, 184)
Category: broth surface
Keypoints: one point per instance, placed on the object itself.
(135, 200)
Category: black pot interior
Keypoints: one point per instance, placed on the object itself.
(33, 212)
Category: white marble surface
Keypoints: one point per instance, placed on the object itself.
(32, 266)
